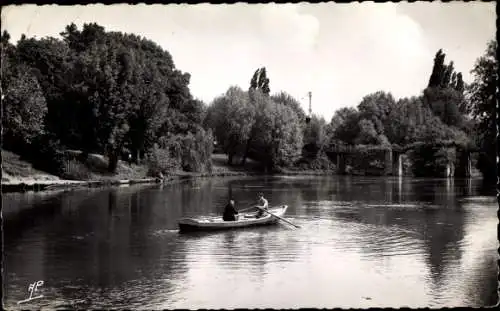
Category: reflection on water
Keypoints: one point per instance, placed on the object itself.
(363, 242)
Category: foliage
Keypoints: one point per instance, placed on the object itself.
(288, 100)
(196, 151)
(159, 160)
(444, 94)
(369, 160)
(367, 133)
(286, 138)
(444, 76)
(377, 107)
(75, 170)
(321, 161)
(275, 136)
(110, 92)
(445, 103)
(260, 81)
(428, 160)
(105, 92)
(231, 117)
(344, 125)
(314, 134)
(46, 153)
(190, 152)
(482, 99)
(24, 107)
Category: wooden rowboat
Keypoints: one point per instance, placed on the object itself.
(216, 223)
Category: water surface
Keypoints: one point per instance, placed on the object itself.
(363, 242)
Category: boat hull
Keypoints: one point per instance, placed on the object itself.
(217, 224)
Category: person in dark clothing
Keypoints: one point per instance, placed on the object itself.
(230, 212)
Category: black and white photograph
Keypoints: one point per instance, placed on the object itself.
(249, 156)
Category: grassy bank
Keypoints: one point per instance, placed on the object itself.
(19, 175)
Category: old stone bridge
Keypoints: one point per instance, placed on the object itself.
(460, 166)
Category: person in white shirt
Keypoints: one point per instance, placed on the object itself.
(261, 205)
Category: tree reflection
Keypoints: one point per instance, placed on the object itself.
(112, 244)
(440, 228)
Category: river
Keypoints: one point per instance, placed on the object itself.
(362, 242)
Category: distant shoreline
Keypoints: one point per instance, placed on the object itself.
(19, 176)
(34, 184)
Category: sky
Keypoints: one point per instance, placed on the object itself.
(339, 52)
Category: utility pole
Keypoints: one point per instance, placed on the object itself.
(308, 118)
(310, 109)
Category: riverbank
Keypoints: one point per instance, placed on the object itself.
(19, 176)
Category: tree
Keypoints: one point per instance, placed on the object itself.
(260, 81)
(445, 103)
(314, 134)
(286, 99)
(57, 72)
(444, 94)
(367, 133)
(482, 99)
(437, 70)
(447, 75)
(259, 103)
(459, 84)
(344, 125)
(105, 92)
(286, 137)
(8, 60)
(406, 119)
(277, 136)
(24, 109)
(376, 107)
(231, 119)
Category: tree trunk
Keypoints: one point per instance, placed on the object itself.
(230, 158)
(138, 157)
(247, 149)
(112, 161)
(84, 156)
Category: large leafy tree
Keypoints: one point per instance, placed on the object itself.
(286, 137)
(376, 107)
(344, 126)
(23, 109)
(260, 103)
(23, 103)
(107, 92)
(53, 64)
(482, 100)
(277, 135)
(231, 118)
(288, 100)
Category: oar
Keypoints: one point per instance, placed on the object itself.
(281, 218)
(246, 209)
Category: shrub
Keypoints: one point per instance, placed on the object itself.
(46, 154)
(159, 160)
(197, 150)
(75, 170)
(190, 152)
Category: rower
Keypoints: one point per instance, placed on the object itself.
(230, 212)
(261, 205)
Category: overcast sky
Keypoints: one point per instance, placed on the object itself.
(340, 52)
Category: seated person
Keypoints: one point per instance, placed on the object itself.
(262, 205)
(230, 212)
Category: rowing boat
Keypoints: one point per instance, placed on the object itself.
(243, 221)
